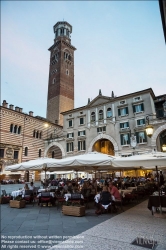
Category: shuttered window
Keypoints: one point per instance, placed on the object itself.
(141, 137)
(123, 111)
(81, 121)
(70, 123)
(125, 139)
(69, 147)
(138, 108)
(81, 145)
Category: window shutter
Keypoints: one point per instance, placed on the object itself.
(121, 138)
(104, 128)
(137, 137)
(78, 133)
(84, 132)
(142, 107)
(121, 125)
(73, 135)
(84, 145)
(145, 136)
(67, 135)
(97, 129)
(138, 122)
(67, 147)
(127, 111)
(133, 108)
(143, 121)
(72, 145)
(119, 112)
(128, 139)
(78, 145)
(128, 124)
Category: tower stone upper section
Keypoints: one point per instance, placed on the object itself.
(61, 73)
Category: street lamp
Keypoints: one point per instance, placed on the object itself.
(149, 128)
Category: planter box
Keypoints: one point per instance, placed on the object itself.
(4, 200)
(17, 204)
(73, 210)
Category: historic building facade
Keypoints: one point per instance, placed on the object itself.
(23, 136)
(115, 125)
(61, 74)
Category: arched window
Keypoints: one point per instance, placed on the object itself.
(93, 117)
(11, 128)
(100, 114)
(19, 130)
(109, 112)
(37, 134)
(15, 129)
(53, 81)
(53, 154)
(34, 133)
(26, 151)
(39, 152)
(40, 135)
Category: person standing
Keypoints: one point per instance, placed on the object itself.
(161, 179)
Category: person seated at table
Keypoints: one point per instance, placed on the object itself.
(26, 187)
(114, 191)
(31, 187)
(105, 200)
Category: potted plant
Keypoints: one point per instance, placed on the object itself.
(18, 202)
(73, 209)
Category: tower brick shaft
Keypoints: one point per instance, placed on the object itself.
(61, 74)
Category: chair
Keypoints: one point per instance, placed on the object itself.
(45, 198)
(28, 196)
(60, 200)
(6, 198)
(86, 194)
(75, 199)
(118, 203)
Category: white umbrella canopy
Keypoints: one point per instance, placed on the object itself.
(38, 164)
(146, 161)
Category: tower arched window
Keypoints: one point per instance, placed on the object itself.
(93, 116)
(11, 128)
(53, 81)
(37, 134)
(26, 151)
(101, 114)
(39, 152)
(109, 112)
(15, 129)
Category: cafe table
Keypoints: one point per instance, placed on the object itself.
(156, 201)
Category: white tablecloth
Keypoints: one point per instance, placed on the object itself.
(68, 196)
(16, 193)
(51, 193)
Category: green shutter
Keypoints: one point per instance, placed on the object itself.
(133, 108)
(78, 133)
(73, 135)
(143, 121)
(78, 145)
(138, 122)
(119, 112)
(128, 138)
(128, 124)
(67, 135)
(127, 111)
(72, 146)
(142, 107)
(121, 125)
(84, 145)
(137, 137)
(121, 138)
(84, 132)
(97, 129)
(67, 147)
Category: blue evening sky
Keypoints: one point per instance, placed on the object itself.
(120, 47)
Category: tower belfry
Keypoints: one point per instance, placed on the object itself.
(61, 73)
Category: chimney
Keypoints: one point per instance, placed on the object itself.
(11, 106)
(17, 108)
(100, 92)
(5, 104)
(112, 95)
(20, 109)
(88, 100)
(31, 113)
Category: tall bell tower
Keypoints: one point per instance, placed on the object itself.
(61, 73)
